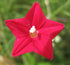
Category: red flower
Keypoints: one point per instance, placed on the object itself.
(34, 33)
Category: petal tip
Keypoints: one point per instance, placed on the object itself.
(63, 26)
(7, 21)
(36, 2)
(14, 55)
(51, 58)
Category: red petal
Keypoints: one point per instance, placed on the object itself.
(43, 46)
(19, 27)
(22, 45)
(30, 14)
(38, 16)
(52, 28)
(50, 23)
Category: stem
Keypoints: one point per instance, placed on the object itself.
(25, 60)
(48, 9)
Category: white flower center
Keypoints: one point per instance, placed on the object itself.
(33, 32)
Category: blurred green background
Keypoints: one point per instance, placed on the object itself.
(57, 10)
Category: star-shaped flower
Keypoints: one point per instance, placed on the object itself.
(34, 33)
